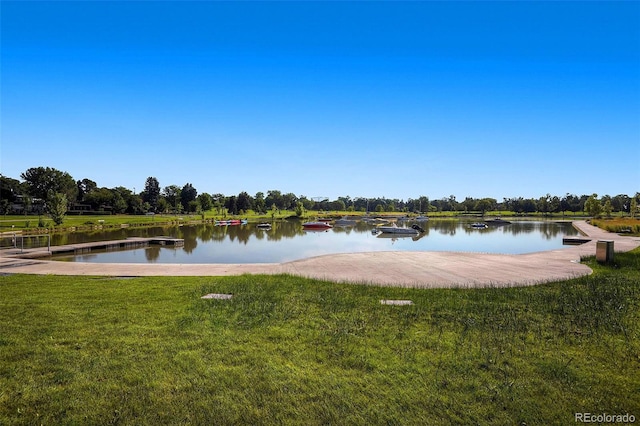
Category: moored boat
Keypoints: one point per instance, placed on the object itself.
(345, 221)
(479, 225)
(394, 229)
(231, 222)
(316, 225)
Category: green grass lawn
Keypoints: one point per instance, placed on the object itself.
(287, 350)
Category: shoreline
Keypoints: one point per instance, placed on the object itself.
(403, 269)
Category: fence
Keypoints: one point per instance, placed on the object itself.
(17, 241)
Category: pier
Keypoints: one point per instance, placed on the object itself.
(575, 240)
(84, 248)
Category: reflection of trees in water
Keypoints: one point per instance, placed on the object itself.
(240, 233)
(206, 232)
(109, 234)
(152, 253)
(288, 229)
(190, 236)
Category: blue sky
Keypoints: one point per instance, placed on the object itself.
(393, 99)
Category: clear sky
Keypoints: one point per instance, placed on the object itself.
(373, 99)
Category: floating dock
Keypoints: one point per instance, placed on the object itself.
(84, 248)
(575, 240)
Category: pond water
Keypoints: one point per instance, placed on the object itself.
(287, 241)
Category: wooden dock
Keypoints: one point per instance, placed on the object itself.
(575, 240)
(84, 248)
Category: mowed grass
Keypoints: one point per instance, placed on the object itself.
(287, 350)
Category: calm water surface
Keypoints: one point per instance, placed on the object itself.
(287, 241)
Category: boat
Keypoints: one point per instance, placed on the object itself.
(479, 225)
(316, 225)
(231, 222)
(421, 218)
(394, 229)
(345, 221)
(265, 226)
(395, 237)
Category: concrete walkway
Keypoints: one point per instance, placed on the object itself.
(410, 269)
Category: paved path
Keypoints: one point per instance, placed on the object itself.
(411, 269)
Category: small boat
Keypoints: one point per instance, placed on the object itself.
(421, 218)
(394, 229)
(316, 225)
(231, 222)
(479, 225)
(265, 226)
(345, 221)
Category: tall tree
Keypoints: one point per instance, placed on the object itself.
(274, 197)
(187, 195)
(151, 192)
(485, 204)
(57, 207)
(243, 202)
(231, 205)
(593, 206)
(172, 194)
(43, 181)
(10, 188)
(258, 203)
(85, 186)
(205, 202)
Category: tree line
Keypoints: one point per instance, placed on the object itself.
(45, 189)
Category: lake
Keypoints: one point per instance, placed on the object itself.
(287, 241)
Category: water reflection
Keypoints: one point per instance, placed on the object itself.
(287, 240)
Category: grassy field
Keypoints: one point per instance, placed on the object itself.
(626, 225)
(286, 350)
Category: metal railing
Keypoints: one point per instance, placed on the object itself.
(16, 241)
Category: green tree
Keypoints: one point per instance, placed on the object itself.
(43, 181)
(57, 207)
(274, 197)
(289, 201)
(231, 204)
(4, 206)
(85, 186)
(593, 206)
(10, 188)
(607, 208)
(187, 195)
(119, 204)
(205, 201)
(485, 204)
(99, 198)
(258, 203)
(151, 192)
(172, 194)
(299, 209)
(243, 202)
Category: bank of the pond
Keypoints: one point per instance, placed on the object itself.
(412, 269)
